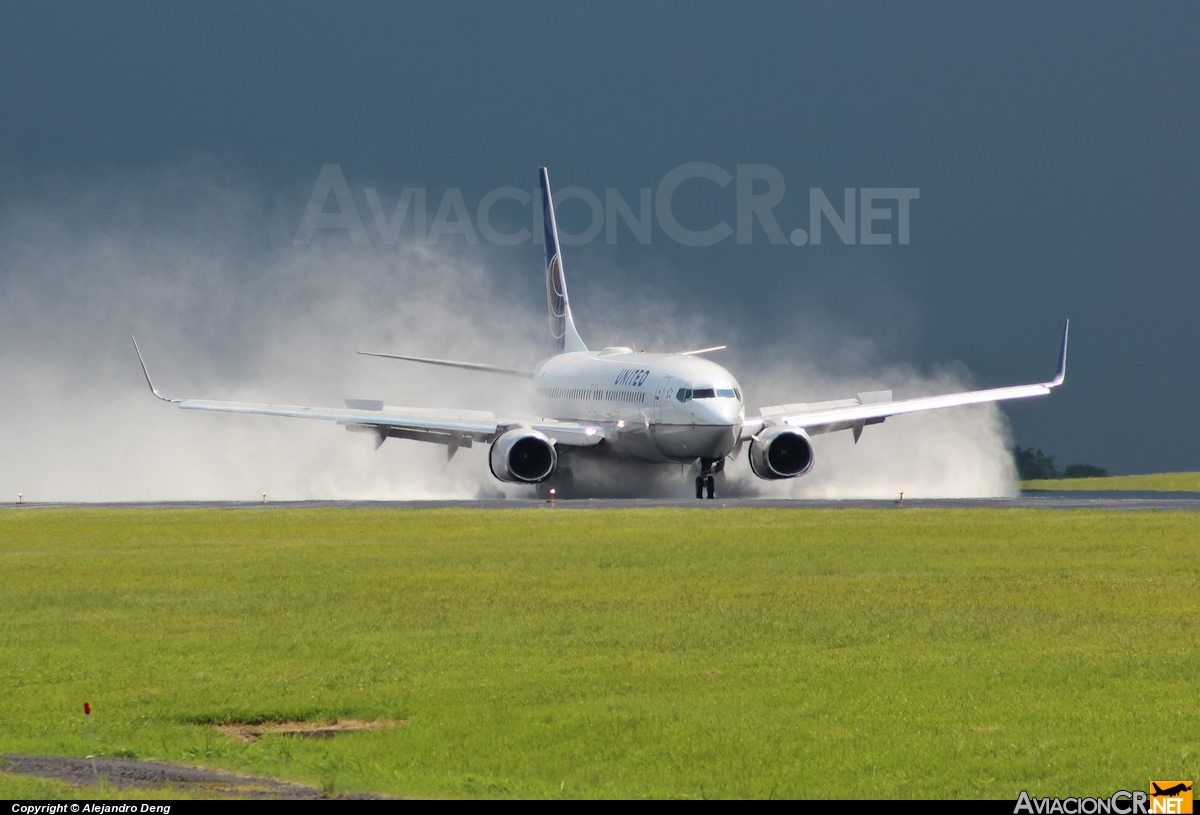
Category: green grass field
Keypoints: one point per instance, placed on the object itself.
(1164, 482)
(573, 653)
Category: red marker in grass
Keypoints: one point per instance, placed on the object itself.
(87, 714)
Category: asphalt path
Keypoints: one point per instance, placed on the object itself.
(124, 773)
(1066, 499)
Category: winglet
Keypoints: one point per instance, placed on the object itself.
(1062, 360)
(147, 373)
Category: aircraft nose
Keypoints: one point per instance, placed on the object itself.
(722, 411)
(732, 411)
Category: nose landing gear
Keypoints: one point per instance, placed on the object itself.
(706, 481)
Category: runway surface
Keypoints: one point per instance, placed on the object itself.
(1172, 501)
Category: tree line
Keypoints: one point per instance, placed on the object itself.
(1034, 464)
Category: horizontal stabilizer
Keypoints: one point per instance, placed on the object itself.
(449, 363)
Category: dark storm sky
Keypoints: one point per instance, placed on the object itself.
(1054, 145)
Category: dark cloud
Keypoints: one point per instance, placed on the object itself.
(1053, 147)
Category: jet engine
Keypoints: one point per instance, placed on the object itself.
(523, 456)
(781, 452)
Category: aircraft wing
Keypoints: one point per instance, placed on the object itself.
(874, 407)
(454, 428)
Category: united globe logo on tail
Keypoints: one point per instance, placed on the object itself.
(564, 338)
(556, 302)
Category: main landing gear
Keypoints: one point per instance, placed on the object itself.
(706, 481)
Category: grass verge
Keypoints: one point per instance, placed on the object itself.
(1160, 482)
(571, 653)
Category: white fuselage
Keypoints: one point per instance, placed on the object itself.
(657, 407)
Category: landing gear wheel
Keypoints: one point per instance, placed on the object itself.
(706, 481)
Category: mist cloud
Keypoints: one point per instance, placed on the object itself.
(197, 260)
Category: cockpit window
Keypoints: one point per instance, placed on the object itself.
(687, 394)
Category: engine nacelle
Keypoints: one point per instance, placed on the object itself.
(523, 456)
(781, 452)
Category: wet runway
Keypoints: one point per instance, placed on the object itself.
(1171, 501)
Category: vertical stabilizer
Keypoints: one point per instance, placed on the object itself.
(563, 336)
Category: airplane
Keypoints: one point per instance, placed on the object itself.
(1170, 792)
(615, 404)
